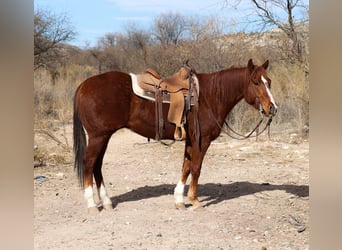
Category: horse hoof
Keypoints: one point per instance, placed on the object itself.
(180, 206)
(107, 206)
(93, 210)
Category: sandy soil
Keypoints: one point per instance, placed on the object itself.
(255, 196)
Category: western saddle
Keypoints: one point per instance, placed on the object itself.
(181, 91)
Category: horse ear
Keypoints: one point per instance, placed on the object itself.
(265, 65)
(250, 65)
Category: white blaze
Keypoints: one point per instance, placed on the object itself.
(268, 91)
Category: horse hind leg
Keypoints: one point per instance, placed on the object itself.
(92, 167)
(102, 193)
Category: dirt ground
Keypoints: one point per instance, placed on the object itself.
(255, 196)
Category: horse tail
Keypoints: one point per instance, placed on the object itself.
(79, 143)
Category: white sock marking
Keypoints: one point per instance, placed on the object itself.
(178, 193)
(103, 195)
(89, 196)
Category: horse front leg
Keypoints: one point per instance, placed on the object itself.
(179, 190)
(192, 193)
(195, 170)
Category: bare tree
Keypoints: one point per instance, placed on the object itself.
(122, 51)
(104, 52)
(108, 40)
(281, 14)
(138, 41)
(168, 28)
(50, 31)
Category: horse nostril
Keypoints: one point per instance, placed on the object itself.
(273, 109)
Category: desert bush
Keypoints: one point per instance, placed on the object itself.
(208, 49)
(54, 99)
(53, 93)
(44, 99)
(292, 94)
(53, 107)
(53, 102)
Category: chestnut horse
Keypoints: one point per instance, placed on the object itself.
(106, 103)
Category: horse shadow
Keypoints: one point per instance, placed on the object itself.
(213, 193)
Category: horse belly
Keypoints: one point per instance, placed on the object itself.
(142, 119)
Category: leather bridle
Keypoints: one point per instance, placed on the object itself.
(249, 135)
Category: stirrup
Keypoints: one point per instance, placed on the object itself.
(180, 133)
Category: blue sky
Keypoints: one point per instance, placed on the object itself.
(94, 18)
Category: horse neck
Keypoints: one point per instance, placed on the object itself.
(225, 89)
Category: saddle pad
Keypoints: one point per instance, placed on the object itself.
(146, 94)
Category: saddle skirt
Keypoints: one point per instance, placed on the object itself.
(147, 91)
(145, 86)
(173, 90)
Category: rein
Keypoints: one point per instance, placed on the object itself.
(249, 135)
(243, 137)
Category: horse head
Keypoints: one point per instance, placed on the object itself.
(258, 93)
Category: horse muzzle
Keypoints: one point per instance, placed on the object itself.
(271, 111)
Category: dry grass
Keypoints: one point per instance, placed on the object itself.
(53, 99)
(54, 91)
(54, 103)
